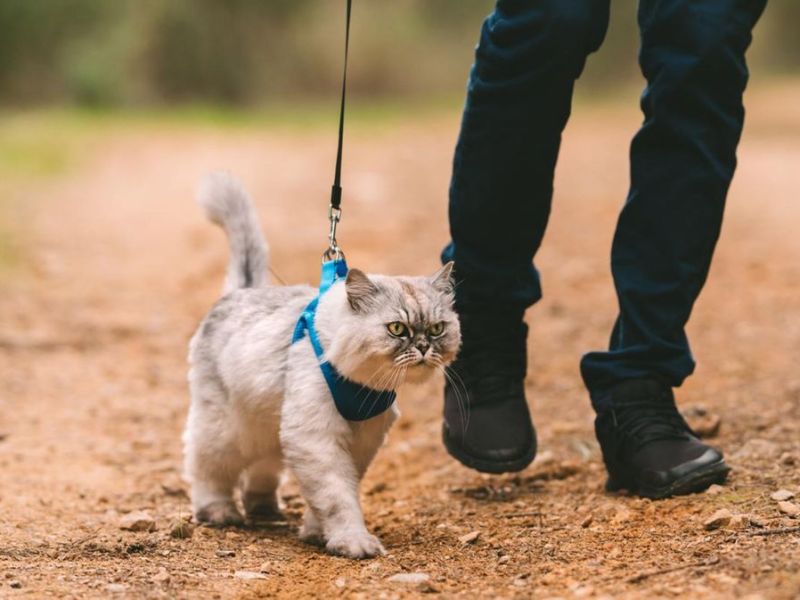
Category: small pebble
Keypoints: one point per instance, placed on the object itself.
(503, 559)
(115, 588)
(225, 553)
(706, 426)
(789, 508)
(15, 584)
(137, 520)
(739, 522)
(409, 578)
(782, 495)
(340, 582)
(719, 519)
(715, 489)
(181, 529)
(470, 538)
(587, 520)
(757, 521)
(248, 575)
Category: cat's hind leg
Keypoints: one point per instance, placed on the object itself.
(212, 461)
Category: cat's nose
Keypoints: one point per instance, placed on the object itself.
(422, 346)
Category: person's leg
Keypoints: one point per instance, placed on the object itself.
(682, 162)
(518, 102)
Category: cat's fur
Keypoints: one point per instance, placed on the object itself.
(259, 401)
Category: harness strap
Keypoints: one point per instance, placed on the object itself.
(355, 402)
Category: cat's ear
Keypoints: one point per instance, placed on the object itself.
(360, 289)
(442, 280)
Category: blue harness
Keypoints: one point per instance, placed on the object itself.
(354, 401)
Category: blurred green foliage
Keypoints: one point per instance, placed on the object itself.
(244, 52)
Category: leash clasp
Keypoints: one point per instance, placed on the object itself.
(333, 252)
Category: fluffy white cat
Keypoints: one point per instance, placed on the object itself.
(259, 401)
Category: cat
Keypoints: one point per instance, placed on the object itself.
(259, 401)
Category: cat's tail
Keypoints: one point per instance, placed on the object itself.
(227, 204)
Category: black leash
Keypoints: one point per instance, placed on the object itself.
(335, 212)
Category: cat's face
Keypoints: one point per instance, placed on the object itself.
(401, 328)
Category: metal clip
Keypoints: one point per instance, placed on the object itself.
(333, 252)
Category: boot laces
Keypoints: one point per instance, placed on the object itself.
(648, 420)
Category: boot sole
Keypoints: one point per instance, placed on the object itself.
(693, 482)
(489, 466)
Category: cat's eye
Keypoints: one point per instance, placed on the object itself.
(397, 329)
(436, 329)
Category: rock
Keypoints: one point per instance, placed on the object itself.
(137, 520)
(340, 582)
(782, 495)
(115, 588)
(15, 584)
(587, 520)
(705, 424)
(789, 508)
(249, 575)
(470, 538)
(520, 582)
(181, 529)
(503, 559)
(715, 489)
(739, 522)
(161, 577)
(225, 553)
(757, 521)
(409, 578)
(719, 519)
(788, 459)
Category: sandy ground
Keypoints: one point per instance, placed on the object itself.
(118, 266)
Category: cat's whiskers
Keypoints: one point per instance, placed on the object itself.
(378, 376)
(459, 388)
(397, 373)
(381, 387)
(406, 357)
(386, 383)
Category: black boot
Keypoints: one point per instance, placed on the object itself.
(487, 425)
(647, 446)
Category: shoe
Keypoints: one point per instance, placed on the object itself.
(647, 446)
(487, 424)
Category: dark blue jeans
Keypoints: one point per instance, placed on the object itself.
(682, 161)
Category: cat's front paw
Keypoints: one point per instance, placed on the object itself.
(355, 544)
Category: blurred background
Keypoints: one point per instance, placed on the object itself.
(110, 113)
(243, 53)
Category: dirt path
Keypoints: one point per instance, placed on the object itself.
(119, 267)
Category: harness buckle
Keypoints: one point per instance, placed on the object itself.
(333, 252)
